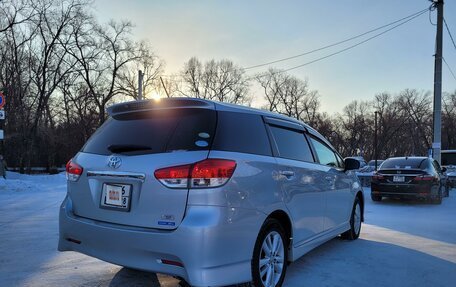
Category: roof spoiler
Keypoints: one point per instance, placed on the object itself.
(162, 104)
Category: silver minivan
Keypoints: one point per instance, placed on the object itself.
(212, 193)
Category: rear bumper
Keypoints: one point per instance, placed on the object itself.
(214, 244)
(404, 190)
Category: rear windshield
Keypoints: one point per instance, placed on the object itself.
(448, 158)
(402, 163)
(154, 132)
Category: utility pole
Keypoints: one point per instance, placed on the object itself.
(437, 143)
(375, 141)
(140, 85)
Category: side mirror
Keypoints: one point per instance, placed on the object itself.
(351, 164)
(444, 169)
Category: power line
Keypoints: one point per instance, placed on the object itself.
(340, 42)
(401, 22)
(449, 68)
(449, 33)
(454, 45)
(349, 47)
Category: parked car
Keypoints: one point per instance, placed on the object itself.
(410, 177)
(365, 173)
(360, 159)
(449, 162)
(370, 167)
(213, 193)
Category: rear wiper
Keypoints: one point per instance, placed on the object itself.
(127, 148)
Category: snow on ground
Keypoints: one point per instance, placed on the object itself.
(401, 244)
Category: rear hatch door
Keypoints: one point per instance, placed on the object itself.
(123, 156)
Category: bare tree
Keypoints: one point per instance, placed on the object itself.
(449, 121)
(216, 80)
(289, 95)
(272, 82)
(416, 108)
(49, 64)
(78, 106)
(50, 61)
(60, 69)
(170, 86)
(14, 12)
(390, 125)
(149, 64)
(16, 83)
(102, 52)
(355, 126)
(35, 62)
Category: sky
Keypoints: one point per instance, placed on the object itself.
(258, 31)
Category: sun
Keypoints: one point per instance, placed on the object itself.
(154, 96)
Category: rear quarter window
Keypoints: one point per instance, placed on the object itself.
(241, 132)
(291, 144)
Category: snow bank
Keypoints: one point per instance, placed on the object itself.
(16, 182)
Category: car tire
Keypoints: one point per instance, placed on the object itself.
(376, 197)
(267, 262)
(355, 222)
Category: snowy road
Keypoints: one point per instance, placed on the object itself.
(402, 244)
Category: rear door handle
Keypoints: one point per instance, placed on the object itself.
(287, 173)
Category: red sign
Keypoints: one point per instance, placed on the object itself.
(2, 100)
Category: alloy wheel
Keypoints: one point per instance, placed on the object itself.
(272, 258)
(357, 218)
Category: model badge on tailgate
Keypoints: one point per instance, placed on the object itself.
(167, 217)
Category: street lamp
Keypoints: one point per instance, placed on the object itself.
(375, 140)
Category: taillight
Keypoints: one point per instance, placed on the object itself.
(377, 176)
(212, 172)
(73, 171)
(425, 178)
(175, 176)
(206, 173)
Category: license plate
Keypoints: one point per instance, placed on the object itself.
(116, 196)
(398, 178)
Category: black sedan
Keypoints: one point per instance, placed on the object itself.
(410, 177)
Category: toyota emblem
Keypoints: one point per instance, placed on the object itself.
(114, 162)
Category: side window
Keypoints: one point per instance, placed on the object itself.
(325, 155)
(241, 132)
(291, 144)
